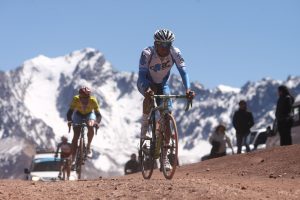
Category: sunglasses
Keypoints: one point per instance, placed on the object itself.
(164, 44)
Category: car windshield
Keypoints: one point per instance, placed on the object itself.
(46, 165)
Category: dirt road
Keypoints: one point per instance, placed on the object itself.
(268, 174)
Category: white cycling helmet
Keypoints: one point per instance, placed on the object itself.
(164, 35)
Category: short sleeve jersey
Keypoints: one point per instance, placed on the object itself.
(91, 106)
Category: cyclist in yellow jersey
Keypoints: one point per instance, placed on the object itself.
(83, 107)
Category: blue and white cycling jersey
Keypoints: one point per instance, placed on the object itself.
(155, 69)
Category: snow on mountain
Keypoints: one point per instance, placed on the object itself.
(36, 97)
(227, 89)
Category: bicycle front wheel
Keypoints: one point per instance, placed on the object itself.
(169, 147)
(79, 158)
(146, 152)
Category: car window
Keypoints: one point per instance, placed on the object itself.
(252, 137)
(42, 164)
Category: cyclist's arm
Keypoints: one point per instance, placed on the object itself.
(57, 149)
(98, 116)
(180, 64)
(228, 141)
(144, 68)
(96, 108)
(184, 77)
(69, 114)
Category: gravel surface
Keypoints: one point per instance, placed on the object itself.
(266, 174)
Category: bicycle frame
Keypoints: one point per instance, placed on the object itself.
(81, 149)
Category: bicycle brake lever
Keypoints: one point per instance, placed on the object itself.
(188, 105)
(96, 130)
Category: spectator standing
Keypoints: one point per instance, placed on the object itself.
(284, 115)
(242, 122)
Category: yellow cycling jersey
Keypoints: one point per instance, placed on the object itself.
(84, 109)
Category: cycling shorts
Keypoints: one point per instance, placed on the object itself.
(78, 118)
(158, 89)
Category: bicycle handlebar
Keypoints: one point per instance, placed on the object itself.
(83, 124)
(169, 96)
(189, 101)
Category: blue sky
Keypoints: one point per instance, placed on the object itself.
(223, 41)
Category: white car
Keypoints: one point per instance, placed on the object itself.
(45, 167)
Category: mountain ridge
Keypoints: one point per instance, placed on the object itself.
(37, 95)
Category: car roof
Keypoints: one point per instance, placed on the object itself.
(44, 155)
(40, 160)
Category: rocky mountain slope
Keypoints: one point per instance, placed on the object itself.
(35, 98)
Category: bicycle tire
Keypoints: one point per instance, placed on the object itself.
(147, 147)
(80, 158)
(170, 149)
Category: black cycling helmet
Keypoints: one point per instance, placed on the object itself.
(64, 138)
(84, 91)
(133, 156)
(164, 35)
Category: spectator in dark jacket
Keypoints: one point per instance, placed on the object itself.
(242, 122)
(284, 115)
(132, 166)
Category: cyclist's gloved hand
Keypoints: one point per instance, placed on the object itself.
(96, 125)
(69, 123)
(149, 93)
(190, 94)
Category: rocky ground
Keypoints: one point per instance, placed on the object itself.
(266, 174)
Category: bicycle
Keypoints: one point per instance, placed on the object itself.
(81, 151)
(159, 139)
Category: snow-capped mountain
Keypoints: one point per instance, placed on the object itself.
(36, 96)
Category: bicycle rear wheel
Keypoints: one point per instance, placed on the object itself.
(146, 152)
(79, 158)
(170, 148)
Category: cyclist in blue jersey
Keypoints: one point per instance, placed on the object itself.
(154, 71)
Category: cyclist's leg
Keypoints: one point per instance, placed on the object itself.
(91, 117)
(61, 168)
(76, 130)
(68, 167)
(76, 135)
(165, 90)
(146, 109)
